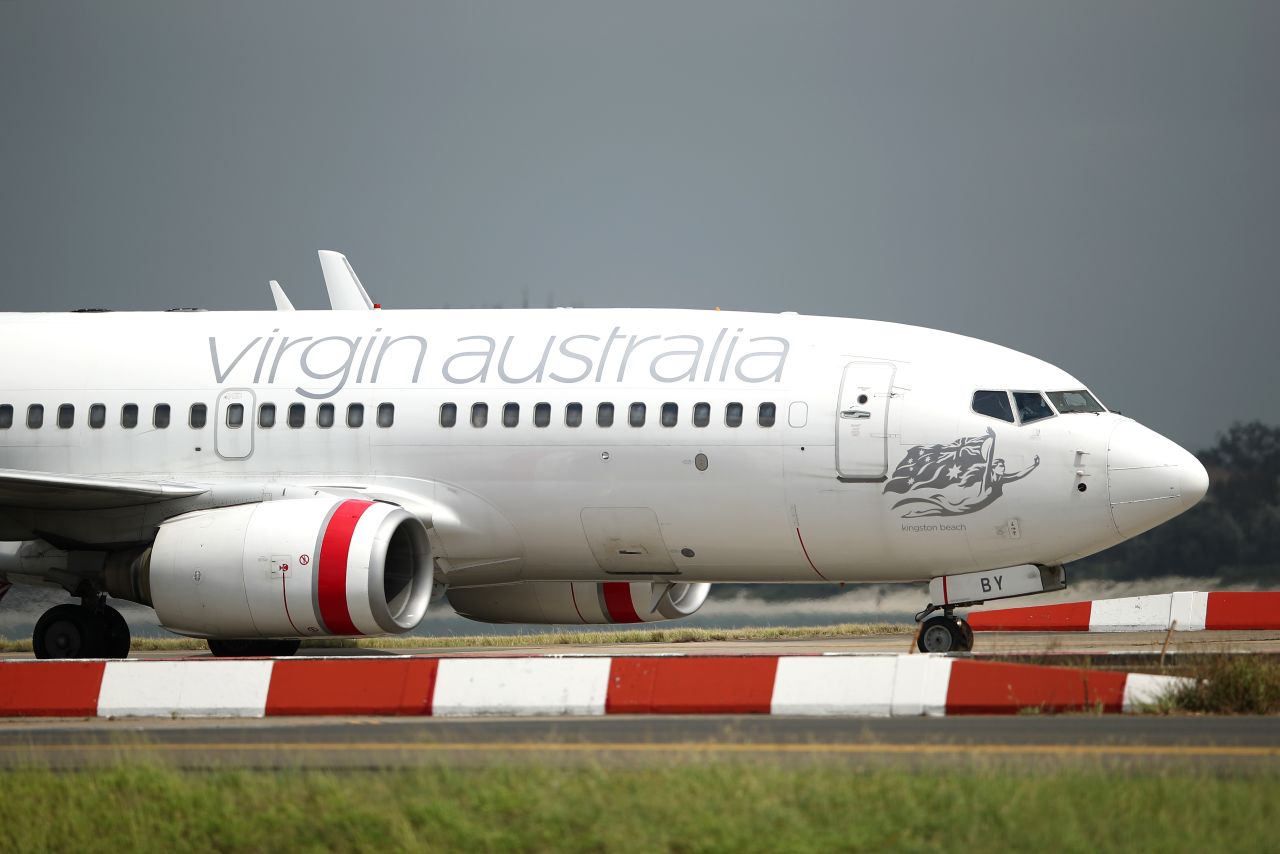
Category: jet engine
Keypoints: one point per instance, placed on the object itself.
(296, 568)
(579, 602)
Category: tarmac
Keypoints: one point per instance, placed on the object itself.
(1030, 743)
(986, 644)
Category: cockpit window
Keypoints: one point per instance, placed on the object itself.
(1074, 401)
(1031, 406)
(993, 404)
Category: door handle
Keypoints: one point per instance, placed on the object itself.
(855, 413)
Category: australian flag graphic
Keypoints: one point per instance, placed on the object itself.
(963, 462)
(951, 480)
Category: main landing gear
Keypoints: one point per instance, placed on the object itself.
(943, 632)
(253, 648)
(92, 629)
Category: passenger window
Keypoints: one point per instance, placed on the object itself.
(542, 415)
(479, 414)
(324, 416)
(235, 416)
(355, 415)
(129, 416)
(198, 417)
(6, 416)
(993, 404)
(573, 415)
(767, 415)
(297, 415)
(701, 414)
(511, 415)
(97, 416)
(604, 415)
(670, 414)
(386, 414)
(267, 416)
(66, 416)
(35, 416)
(160, 416)
(733, 415)
(636, 415)
(448, 414)
(1031, 406)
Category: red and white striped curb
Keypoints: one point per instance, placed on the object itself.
(1192, 611)
(872, 685)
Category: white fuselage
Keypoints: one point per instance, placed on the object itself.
(816, 496)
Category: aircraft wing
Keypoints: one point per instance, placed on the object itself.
(45, 491)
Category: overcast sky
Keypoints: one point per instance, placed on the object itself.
(1095, 183)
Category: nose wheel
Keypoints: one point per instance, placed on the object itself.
(945, 633)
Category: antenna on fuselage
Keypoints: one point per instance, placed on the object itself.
(280, 297)
(345, 291)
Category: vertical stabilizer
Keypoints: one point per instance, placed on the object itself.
(345, 291)
(282, 299)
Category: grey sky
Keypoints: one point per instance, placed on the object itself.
(1095, 183)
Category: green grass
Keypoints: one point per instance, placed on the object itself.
(1226, 685)
(688, 808)
(607, 636)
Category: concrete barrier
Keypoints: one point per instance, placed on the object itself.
(860, 685)
(1193, 611)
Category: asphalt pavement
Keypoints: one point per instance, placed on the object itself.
(1028, 742)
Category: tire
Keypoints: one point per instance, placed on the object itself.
(256, 648)
(941, 634)
(69, 631)
(115, 633)
(967, 630)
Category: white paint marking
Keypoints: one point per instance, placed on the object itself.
(920, 685)
(521, 686)
(834, 686)
(184, 689)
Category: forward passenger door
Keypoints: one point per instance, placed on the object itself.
(862, 420)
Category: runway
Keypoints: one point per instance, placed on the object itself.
(987, 644)
(1030, 743)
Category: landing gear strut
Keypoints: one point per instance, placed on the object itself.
(943, 632)
(92, 629)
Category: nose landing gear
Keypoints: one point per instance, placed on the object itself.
(945, 633)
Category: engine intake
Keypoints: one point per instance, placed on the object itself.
(297, 568)
(569, 603)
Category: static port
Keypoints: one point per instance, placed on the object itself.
(1083, 487)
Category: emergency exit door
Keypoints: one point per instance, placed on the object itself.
(862, 421)
(233, 431)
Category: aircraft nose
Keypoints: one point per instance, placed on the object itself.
(1151, 479)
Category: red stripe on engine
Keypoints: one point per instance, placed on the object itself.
(335, 548)
(617, 600)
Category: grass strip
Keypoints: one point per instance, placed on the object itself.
(689, 807)
(553, 638)
(1225, 685)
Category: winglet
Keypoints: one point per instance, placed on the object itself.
(345, 291)
(282, 299)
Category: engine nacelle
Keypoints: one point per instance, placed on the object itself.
(579, 602)
(296, 568)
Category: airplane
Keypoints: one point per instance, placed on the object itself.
(263, 477)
